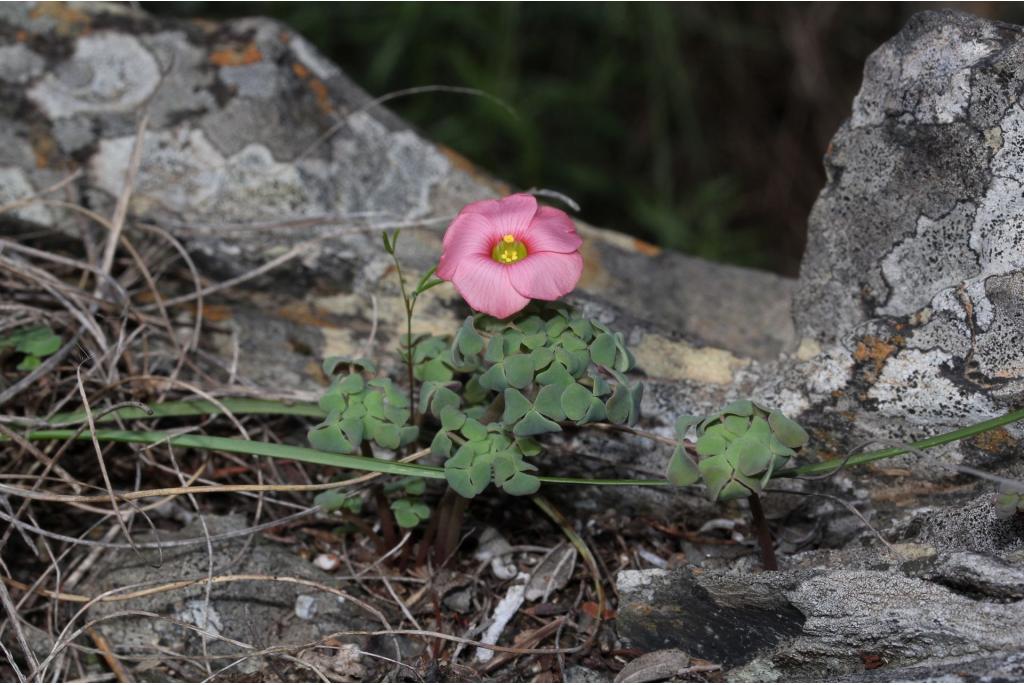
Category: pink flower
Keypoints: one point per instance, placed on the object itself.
(500, 254)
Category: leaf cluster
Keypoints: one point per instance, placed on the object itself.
(360, 408)
(522, 378)
(740, 447)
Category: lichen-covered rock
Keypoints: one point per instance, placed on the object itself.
(917, 239)
(821, 624)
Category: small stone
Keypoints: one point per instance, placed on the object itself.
(305, 606)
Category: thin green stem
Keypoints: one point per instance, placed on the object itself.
(255, 406)
(410, 348)
(934, 441)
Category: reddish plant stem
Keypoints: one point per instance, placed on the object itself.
(764, 534)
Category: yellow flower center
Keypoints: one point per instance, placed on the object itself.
(509, 250)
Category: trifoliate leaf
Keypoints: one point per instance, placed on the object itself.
(494, 378)
(332, 500)
(556, 326)
(408, 514)
(595, 412)
(736, 425)
(739, 408)
(535, 424)
(519, 370)
(601, 387)
(716, 472)
(516, 406)
(602, 350)
(443, 397)
(549, 401)
(433, 370)
(749, 455)
(682, 469)
(535, 341)
(521, 484)
(542, 356)
(441, 446)
(556, 374)
(530, 325)
(387, 435)
(512, 342)
(684, 423)
(575, 401)
(528, 446)
(735, 489)
(788, 431)
(468, 340)
(474, 430)
(451, 418)
(329, 438)
(495, 349)
(351, 384)
(582, 328)
(711, 443)
(618, 404)
(352, 427)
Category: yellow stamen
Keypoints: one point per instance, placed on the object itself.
(509, 250)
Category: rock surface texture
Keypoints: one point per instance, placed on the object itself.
(907, 319)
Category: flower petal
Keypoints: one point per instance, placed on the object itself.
(509, 215)
(469, 234)
(552, 231)
(485, 285)
(546, 275)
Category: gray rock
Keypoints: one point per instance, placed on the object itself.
(725, 625)
(819, 624)
(917, 232)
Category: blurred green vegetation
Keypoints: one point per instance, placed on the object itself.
(694, 126)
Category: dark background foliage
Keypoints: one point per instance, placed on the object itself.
(695, 126)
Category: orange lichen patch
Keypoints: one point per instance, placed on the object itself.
(315, 370)
(644, 247)
(913, 491)
(235, 56)
(69, 21)
(44, 150)
(875, 350)
(323, 97)
(995, 441)
(21, 36)
(595, 276)
(320, 92)
(307, 315)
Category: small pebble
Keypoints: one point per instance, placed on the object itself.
(327, 562)
(305, 606)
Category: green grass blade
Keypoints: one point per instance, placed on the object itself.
(237, 446)
(236, 405)
(934, 441)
